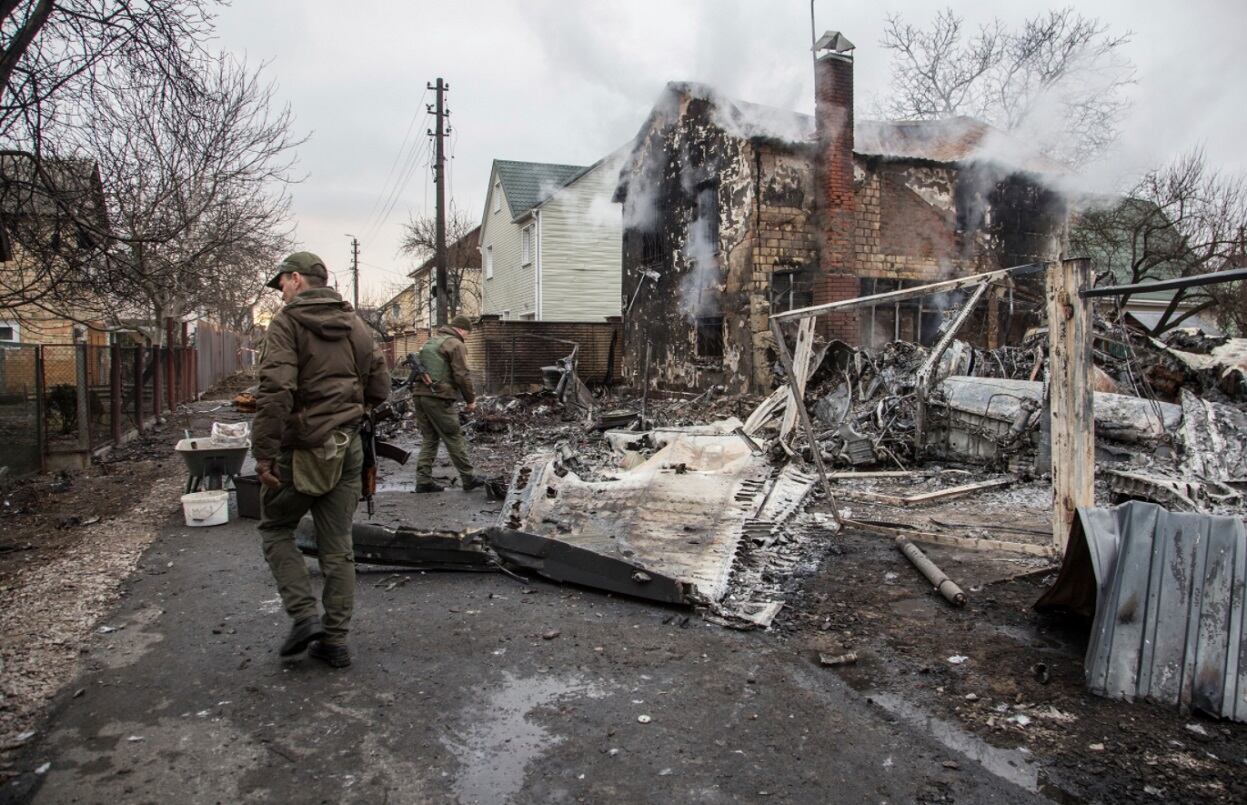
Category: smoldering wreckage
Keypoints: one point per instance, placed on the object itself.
(715, 515)
(775, 253)
(756, 262)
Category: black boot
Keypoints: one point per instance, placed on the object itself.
(430, 487)
(335, 655)
(301, 634)
(472, 482)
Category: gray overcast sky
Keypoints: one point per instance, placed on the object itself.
(564, 81)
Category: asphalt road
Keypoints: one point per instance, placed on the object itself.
(465, 688)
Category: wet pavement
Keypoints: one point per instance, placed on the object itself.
(471, 688)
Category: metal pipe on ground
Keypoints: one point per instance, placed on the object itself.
(942, 583)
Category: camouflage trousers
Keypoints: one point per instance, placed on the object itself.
(332, 515)
(439, 422)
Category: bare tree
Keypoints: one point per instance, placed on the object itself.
(54, 53)
(1179, 220)
(462, 258)
(196, 188)
(1061, 77)
(60, 63)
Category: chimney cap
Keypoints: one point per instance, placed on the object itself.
(834, 41)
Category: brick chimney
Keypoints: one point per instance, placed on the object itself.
(833, 114)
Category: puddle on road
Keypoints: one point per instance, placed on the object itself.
(396, 486)
(496, 741)
(1007, 764)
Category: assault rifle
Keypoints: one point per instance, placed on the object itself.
(374, 447)
(418, 372)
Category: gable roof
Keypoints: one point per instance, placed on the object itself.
(463, 253)
(48, 187)
(527, 184)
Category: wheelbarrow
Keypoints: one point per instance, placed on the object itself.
(208, 465)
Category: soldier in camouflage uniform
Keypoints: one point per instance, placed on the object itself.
(319, 371)
(445, 360)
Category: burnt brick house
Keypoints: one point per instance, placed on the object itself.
(734, 211)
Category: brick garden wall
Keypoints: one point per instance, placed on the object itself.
(507, 356)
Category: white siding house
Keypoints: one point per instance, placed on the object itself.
(551, 242)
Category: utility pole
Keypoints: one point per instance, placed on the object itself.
(355, 270)
(438, 133)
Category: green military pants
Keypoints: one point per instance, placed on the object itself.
(439, 422)
(332, 514)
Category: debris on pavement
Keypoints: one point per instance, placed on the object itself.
(832, 660)
(942, 584)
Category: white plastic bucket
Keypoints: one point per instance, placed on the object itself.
(206, 508)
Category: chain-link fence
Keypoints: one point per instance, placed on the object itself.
(99, 394)
(76, 398)
(19, 409)
(61, 365)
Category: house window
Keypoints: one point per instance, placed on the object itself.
(528, 317)
(652, 248)
(506, 314)
(497, 196)
(791, 288)
(526, 245)
(489, 262)
(8, 332)
(708, 213)
(710, 337)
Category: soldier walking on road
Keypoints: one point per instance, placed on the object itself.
(445, 361)
(319, 372)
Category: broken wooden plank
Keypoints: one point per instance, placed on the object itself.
(906, 293)
(802, 356)
(993, 526)
(786, 359)
(767, 409)
(1070, 394)
(930, 497)
(968, 543)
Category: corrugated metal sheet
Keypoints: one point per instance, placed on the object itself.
(1169, 605)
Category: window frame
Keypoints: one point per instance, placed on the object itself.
(489, 261)
(528, 238)
(798, 294)
(706, 338)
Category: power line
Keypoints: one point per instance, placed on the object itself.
(397, 157)
(393, 271)
(408, 170)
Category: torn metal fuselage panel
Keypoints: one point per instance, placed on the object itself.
(559, 560)
(495, 548)
(407, 547)
(682, 513)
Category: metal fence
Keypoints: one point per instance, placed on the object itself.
(220, 353)
(20, 409)
(77, 398)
